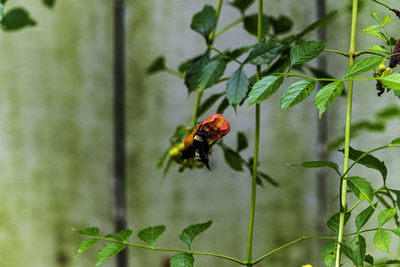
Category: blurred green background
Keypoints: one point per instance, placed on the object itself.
(56, 154)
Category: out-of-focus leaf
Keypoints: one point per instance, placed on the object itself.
(233, 158)
(319, 164)
(208, 103)
(157, 65)
(204, 21)
(242, 142)
(374, 30)
(194, 72)
(162, 159)
(16, 19)
(222, 106)
(369, 259)
(121, 235)
(382, 240)
(49, 3)
(250, 24)
(92, 231)
(211, 73)
(281, 24)
(325, 20)
(242, 5)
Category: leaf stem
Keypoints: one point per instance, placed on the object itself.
(223, 54)
(199, 94)
(218, 12)
(172, 250)
(256, 150)
(229, 26)
(289, 244)
(174, 72)
(337, 52)
(343, 187)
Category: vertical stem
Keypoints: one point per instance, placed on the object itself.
(119, 124)
(199, 94)
(256, 150)
(347, 132)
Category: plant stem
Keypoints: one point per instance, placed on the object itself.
(172, 250)
(337, 52)
(291, 243)
(218, 12)
(343, 188)
(229, 26)
(256, 150)
(223, 54)
(199, 94)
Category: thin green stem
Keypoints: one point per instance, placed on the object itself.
(256, 150)
(337, 52)
(199, 94)
(218, 11)
(174, 72)
(229, 26)
(382, 4)
(289, 244)
(354, 206)
(343, 188)
(173, 250)
(223, 54)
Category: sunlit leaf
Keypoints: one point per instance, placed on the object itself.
(361, 188)
(296, 93)
(327, 95)
(237, 87)
(150, 235)
(328, 253)
(319, 164)
(325, 20)
(189, 233)
(85, 245)
(204, 21)
(108, 251)
(374, 30)
(386, 20)
(305, 52)
(385, 215)
(182, 260)
(382, 240)
(264, 88)
(396, 141)
(92, 231)
(378, 49)
(392, 81)
(364, 216)
(363, 65)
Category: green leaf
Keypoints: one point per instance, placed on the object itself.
(368, 161)
(85, 245)
(150, 235)
(386, 20)
(305, 52)
(392, 81)
(319, 73)
(233, 159)
(92, 231)
(208, 103)
(189, 233)
(369, 259)
(325, 20)
(250, 24)
(333, 222)
(211, 73)
(396, 141)
(1, 11)
(121, 235)
(364, 216)
(180, 133)
(374, 15)
(222, 106)
(242, 142)
(157, 65)
(16, 19)
(327, 95)
(242, 5)
(373, 30)
(382, 240)
(162, 159)
(349, 253)
(282, 24)
(237, 87)
(182, 260)
(108, 251)
(396, 231)
(319, 164)
(385, 215)
(328, 253)
(363, 65)
(359, 248)
(296, 93)
(265, 53)
(361, 188)
(397, 93)
(204, 21)
(235, 53)
(264, 88)
(194, 72)
(49, 3)
(378, 49)
(392, 262)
